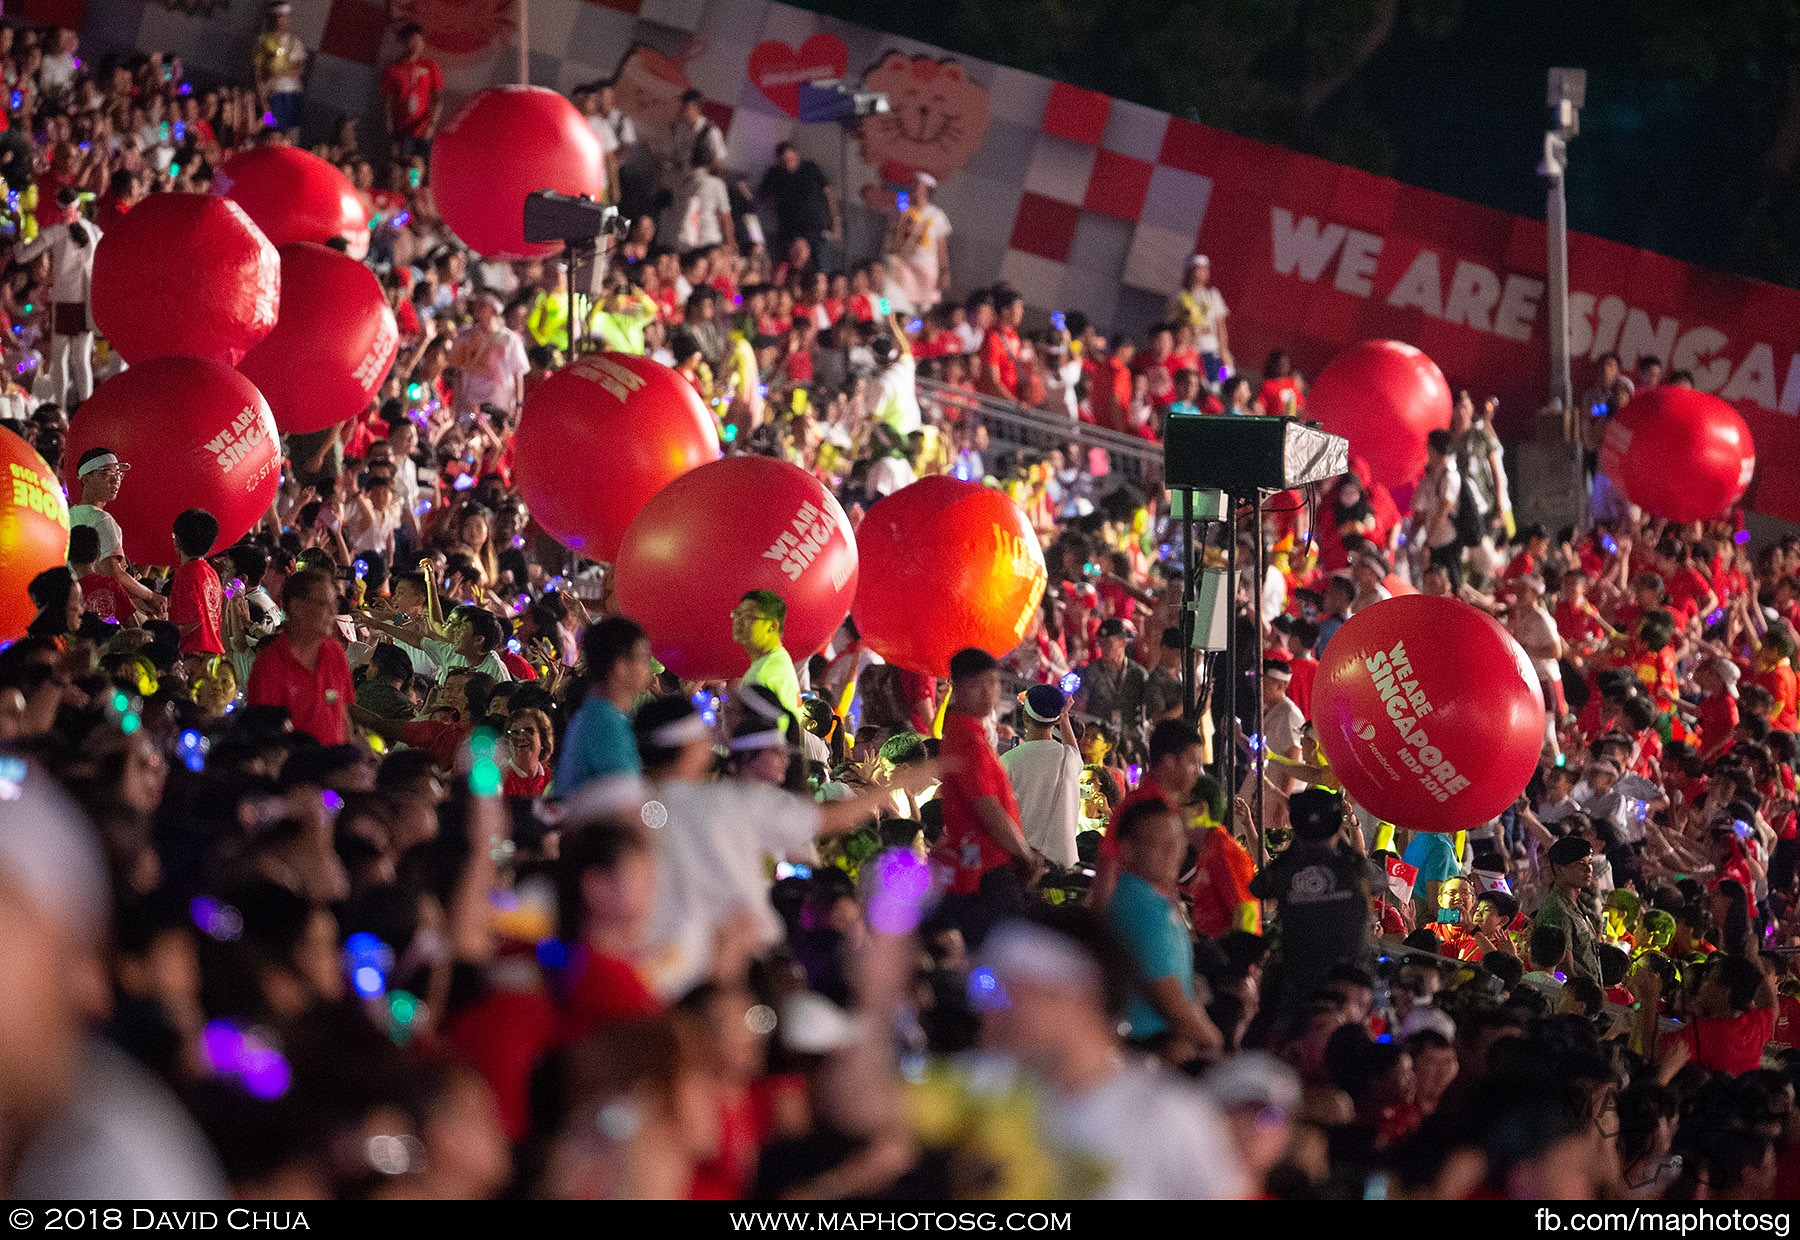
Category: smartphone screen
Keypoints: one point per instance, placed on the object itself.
(1449, 917)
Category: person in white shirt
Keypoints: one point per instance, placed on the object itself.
(1202, 307)
(703, 209)
(919, 244)
(1433, 523)
(101, 475)
(490, 360)
(713, 839)
(1045, 772)
(1150, 1135)
(69, 377)
(58, 69)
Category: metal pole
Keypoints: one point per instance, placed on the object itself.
(1232, 671)
(1189, 621)
(843, 254)
(1556, 219)
(524, 43)
(575, 253)
(1256, 754)
(1565, 97)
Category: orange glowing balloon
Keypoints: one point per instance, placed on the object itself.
(34, 530)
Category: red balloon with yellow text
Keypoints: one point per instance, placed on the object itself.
(946, 564)
(716, 533)
(1429, 712)
(34, 530)
(333, 344)
(636, 419)
(197, 434)
(1384, 397)
(1679, 454)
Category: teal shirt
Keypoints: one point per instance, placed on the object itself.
(1152, 929)
(598, 743)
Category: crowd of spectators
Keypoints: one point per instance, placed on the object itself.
(376, 855)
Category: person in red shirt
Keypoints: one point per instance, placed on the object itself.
(1774, 671)
(1157, 364)
(1689, 592)
(1303, 635)
(1734, 1015)
(412, 92)
(1283, 393)
(100, 593)
(123, 191)
(304, 669)
(1577, 621)
(1177, 755)
(527, 772)
(1000, 347)
(1217, 885)
(983, 845)
(606, 878)
(1534, 543)
(196, 599)
(1718, 709)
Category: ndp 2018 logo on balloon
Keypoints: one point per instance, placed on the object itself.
(1429, 712)
(1406, 704)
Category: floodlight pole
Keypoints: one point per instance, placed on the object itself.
(1567, 93)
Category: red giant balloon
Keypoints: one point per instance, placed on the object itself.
(333, 342)
(1429, 712)
(1679, 454)
(946, 565)
(644, 421)
(185, 275)
(34, 530)
(744, 523)
(293, 195)
(504, 144)
(197, 435)
(1384, 397)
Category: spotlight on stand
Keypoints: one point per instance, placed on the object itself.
(580, 224)
(833, 102)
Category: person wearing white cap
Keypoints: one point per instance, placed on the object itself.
(1202, 307)
(102, 474)
(918, 244)
(1045, 772)
(713, 839)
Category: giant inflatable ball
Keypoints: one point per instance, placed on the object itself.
(716, 533)
(293, 195)
(1384, 397)
(946, 564)
(1429, 712)
(1679, 454)
(644, 422)
(196, 433)
(185, 275)
(333, 344)
(34, 530)
(502, 146)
